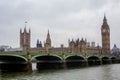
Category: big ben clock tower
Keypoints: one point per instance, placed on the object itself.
(105, 33)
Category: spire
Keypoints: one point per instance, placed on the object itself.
(82, 39)
(25, 26)
(68, 40)
(105, 20)
(38, 41)
(78, 39)
(25, 23)
(85, 40)
(48, 35)
(115, 46)
(48, 39)
(25, 29)
(40, 44)
(72, 40)
(29, 30)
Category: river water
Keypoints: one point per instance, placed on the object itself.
(102, 72)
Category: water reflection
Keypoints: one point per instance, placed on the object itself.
(34, 66)
(102, 72)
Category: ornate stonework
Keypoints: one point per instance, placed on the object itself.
(75, 46)
(25, 39)
(105, 33)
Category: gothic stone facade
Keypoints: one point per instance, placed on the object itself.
(77, 46)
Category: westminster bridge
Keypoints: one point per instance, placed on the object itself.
(19, 61)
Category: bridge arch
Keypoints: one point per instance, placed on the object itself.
(75, 61)
(113, 59)
(48, 61)
(93, 60)
(41, 55)
(12, 57)
(11, 62)
(75, 57)
(105, 60)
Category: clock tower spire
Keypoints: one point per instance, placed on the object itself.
(105, 33)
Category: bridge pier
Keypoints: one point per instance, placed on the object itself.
(64, 65)
(53, 61)
(110, 62)
(86, 63)
(114, 60)
(117, 60)
(101, 62)
(29, 64)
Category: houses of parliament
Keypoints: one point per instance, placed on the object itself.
(74, 46)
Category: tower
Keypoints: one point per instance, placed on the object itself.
(39, 44)
(25, 39)
(105, 33)
(71, 46)
(78, 46)
(48, 41)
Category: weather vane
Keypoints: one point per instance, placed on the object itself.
(25, 23)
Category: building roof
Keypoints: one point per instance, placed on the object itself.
(13, 50)
(58, 48)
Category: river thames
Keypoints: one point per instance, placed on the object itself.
(102, 72)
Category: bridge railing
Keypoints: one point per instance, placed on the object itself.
(56, 53)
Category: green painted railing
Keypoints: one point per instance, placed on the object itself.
(60, 55)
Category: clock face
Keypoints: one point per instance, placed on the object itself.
(104, 30)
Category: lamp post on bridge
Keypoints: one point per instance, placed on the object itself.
(64, 65)
(29, 64)
(100, 53)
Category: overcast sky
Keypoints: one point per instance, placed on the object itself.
(65, 19)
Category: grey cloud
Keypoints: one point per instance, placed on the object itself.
(77, 18)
